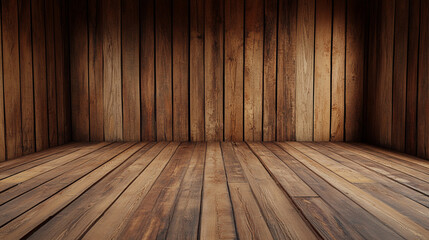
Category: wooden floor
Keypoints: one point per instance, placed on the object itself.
(215, 190)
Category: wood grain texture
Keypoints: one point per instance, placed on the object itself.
(412, 77)
(213, 69)
(338, 70)
(423, 85)
(130, 69)
(3, 155)
(355, 70)
(270, 71)
(253, 69)
(287, 70)
(26, 77)
(112, 87)
(196, 70)
(50, 73)
(95, 68)
(12, 99)
(147, 71)
(399, 85)
(322, 70)
(163, 65)
(234, 76)
(305, 70)
(79, 70)
(180, 70)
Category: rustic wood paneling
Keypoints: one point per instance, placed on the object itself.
(33, 58)
(234, 62)
(130, 70)
(163, 70)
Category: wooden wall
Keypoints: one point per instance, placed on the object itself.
(398, 76)
(34, 86)
(217, 69)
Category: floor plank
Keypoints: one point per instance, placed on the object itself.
(212, 190)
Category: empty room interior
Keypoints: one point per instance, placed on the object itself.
(214, 119)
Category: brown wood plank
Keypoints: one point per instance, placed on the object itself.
(22, 225)
(402, 183)
(164, 98)
(62, 71)
(12, 99)
(234, 74)
(111, 19)
(26, 77)
(282, 218)
(74, 158)
(185, 219)
(121, 210)
(130, 69)
(423, 84)
(213, 69)
(389, 216)
(290, 182)
(75, 219)
(3, 156)
(79, 70)
(11, 179)
(217, 219)
(322, 70)
(95, 78)
(270, 70)
(73, 172)
(151, 219)
(196, 68)
(355, 40)
(304, 70)
(253, 69)
(326, 220)
(50, 73)
(338, 69)
(412, 77)
(399, 85)
(147, 71)
(180, 70)
(250, 222)
(366, 224)
(287, 70)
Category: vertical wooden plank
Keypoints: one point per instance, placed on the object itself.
(95, 77)
(147, 71)
(197, 70)
(338, 71)
(400, 75)
(213, 74)
(423, 85)
(130, 70)
(164, 111)
(253, 69)
(12, 100)
(180, 70)
(286, 70)
(412, 79)
(322, 70)
(234, 41)
(2, 126)
(355, 42)
(304, 70)
(384, 71)
(26, 76)
(79, 70)
(50, 74)
(270, 63)
(112, 70)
